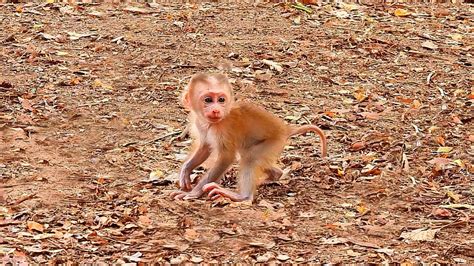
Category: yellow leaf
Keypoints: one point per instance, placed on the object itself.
(416, 104)
(399, 12)
(340, 172)
(19, 9)
(361, 209)
(432, 129)
(444, 149)
(455, 197)
(157, 174)
(60, 53)
(456, 36)
(360, 95)
(35, 226)
(459, 162)
(50, 1)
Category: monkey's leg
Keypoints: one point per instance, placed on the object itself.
(254, 164)
(274, 173)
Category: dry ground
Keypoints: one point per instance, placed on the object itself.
(89, 108)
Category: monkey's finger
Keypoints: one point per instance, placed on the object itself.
(214, 192)
(179, 196)
(185, 185)
(210, 186)
(216, 197)
(189, 196)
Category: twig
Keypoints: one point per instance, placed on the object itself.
(430, 76)
(23, 199)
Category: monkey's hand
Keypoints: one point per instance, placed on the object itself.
(185, 195)
(216, 191)
(185, 181)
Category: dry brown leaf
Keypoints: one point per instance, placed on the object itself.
(440, 140)
(440, 162)
(357, 146)
(456, 119)
(144, 221)
(429, 45)
(26, 104)
(371, 115)
(443, 213)
(416, 104)
(421, 234)
(35, 226)
(191, 235)
(405, 100)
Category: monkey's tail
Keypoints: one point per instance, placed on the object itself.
(315, 129)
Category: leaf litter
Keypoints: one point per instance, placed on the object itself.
(90, 114)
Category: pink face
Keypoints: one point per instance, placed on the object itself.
(213, 101)
(214, 106)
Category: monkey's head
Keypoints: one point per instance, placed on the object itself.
(209, 96)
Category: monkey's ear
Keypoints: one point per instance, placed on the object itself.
(185, 100)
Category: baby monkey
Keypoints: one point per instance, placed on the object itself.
(224, 129)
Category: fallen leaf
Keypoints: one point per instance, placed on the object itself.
(405, 100)
(273, 65)
(443, 213)
(456, 36)
(191, 235)
(334, 240)
(267, 245)
(283, 257)
(387, 251)
(440, 163)
(35, 226)
(440, 140)
(416, 104)
(360, 95)
(456, 119)
(26, 104)
(471, 138)
(297, 20)
(135, 257)
(144, 221)
(357, 146)
(370, 115)
(196, 259)
(399, 12)
(455, 197)
(444, 149)
(138, 10)
(429, 45)
(421, 234)
(307, 214)
(155, 175)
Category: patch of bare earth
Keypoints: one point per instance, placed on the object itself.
(89, 108)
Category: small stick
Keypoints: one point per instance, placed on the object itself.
(24, 199)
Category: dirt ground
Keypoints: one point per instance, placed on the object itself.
(89, 115)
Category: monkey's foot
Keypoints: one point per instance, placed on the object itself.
(184, 195)
(216, 191)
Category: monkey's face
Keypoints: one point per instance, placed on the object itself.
(214, 106)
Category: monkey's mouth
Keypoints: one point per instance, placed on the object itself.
(214, 119)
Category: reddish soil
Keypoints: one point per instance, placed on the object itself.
(89, 107)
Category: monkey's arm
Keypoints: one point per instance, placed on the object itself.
(222, 164)
(198, 157)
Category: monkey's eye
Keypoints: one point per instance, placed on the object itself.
(208, 100)
(221, 99)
